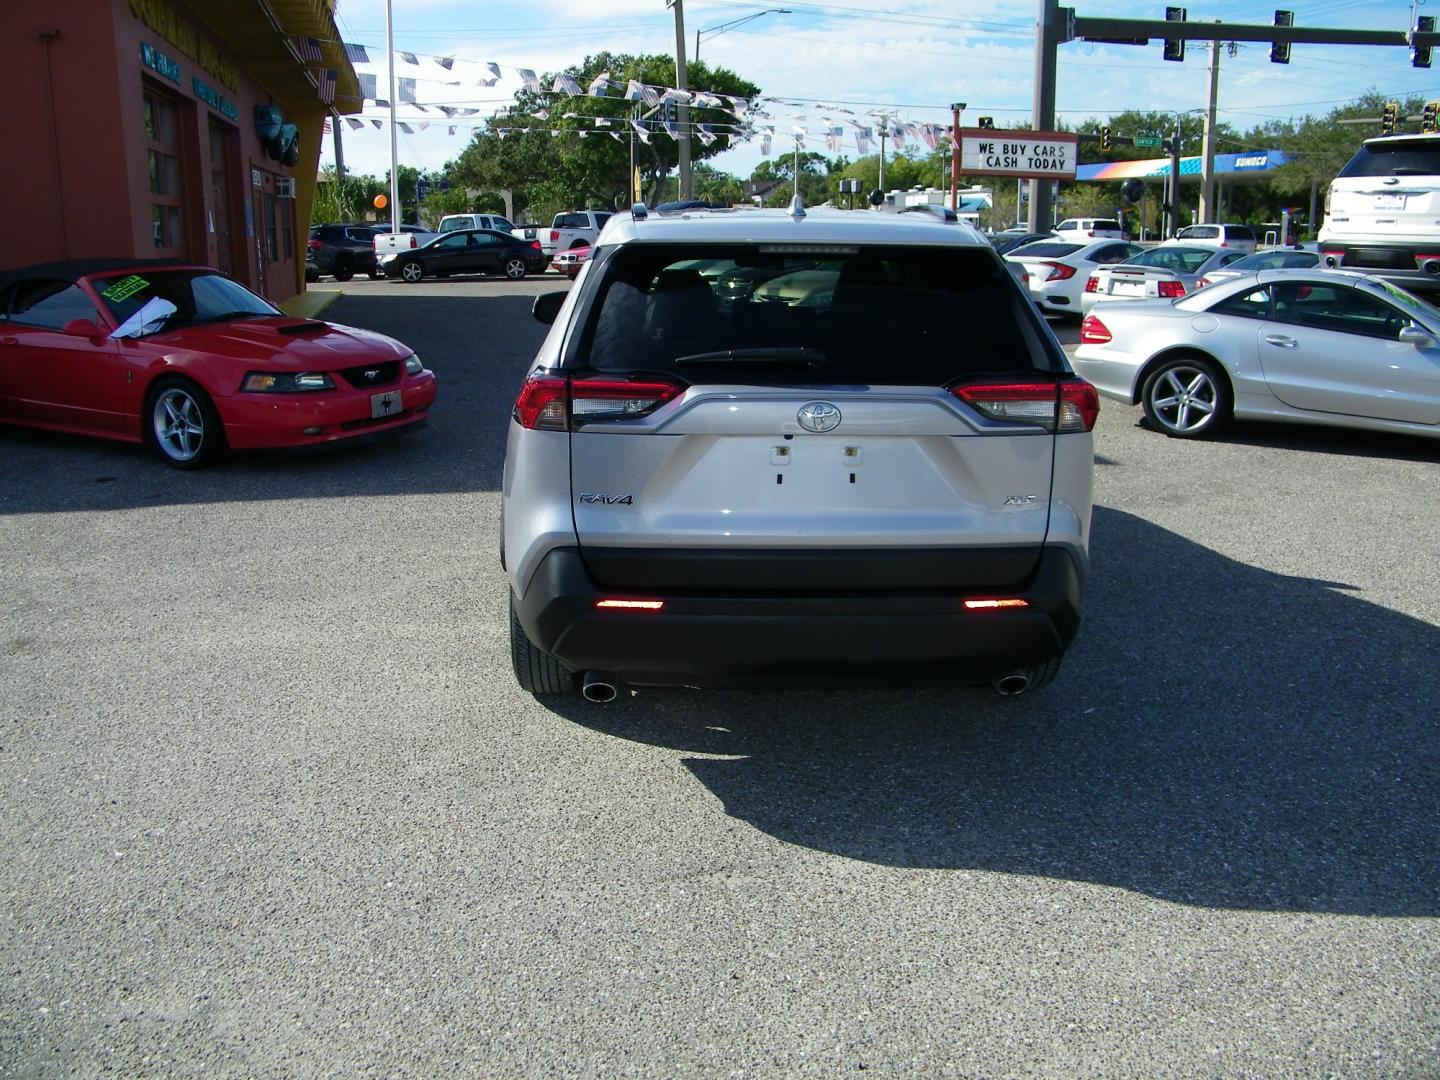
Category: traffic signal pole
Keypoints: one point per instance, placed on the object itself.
(1048, 35)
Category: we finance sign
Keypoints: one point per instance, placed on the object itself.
(1047, 155)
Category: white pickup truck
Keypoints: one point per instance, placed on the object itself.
(409, 236)
(578, 228)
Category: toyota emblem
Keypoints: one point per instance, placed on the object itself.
(818, 416)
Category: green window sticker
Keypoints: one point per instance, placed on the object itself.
(125, 288)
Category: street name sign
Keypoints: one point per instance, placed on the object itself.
(1045, 155)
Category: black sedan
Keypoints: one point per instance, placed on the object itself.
(467, 251)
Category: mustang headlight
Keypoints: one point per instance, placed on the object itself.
(284, 382)
(413, 366)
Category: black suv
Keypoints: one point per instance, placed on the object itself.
(343, 250)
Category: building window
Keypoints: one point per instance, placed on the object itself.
(163, 150)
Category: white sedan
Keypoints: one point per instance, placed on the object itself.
(1058, 270)
(1310, 346)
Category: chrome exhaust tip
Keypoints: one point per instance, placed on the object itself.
(599, 687)
(1012, 684)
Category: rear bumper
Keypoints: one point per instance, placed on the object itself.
(729, 638)
(1399, 263)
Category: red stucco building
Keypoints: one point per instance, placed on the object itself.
(131, 129)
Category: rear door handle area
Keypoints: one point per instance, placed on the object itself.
(1282, 341)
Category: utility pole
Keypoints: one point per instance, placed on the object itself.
(394, 134)
(1172, 219)
(1047, 37)
(682, 112)
(955, 111)
(1207, 150)
(797, 166)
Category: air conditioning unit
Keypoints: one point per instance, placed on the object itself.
(284, 187)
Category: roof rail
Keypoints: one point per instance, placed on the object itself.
(638, 211)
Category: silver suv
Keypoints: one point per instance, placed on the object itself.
(772, 447)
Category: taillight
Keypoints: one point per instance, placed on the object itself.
(554, 235)
(1093, 331)
(314, 244)
(996, 605)
(1079, 406)
(413, 242)
(1075, 401)
(536, 245)
(548, 402)
(1058, 271)
(1092, 283)
(630, 605)
(541, 403)
(1171, 289)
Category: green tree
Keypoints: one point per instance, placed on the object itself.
(347, 200)
(561, 162)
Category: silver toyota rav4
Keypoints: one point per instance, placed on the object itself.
(769, 447)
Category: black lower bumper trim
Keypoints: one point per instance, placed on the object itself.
(715, 638)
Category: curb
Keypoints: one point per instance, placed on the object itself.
(308, 304)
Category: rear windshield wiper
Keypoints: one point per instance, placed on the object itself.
(809, 357)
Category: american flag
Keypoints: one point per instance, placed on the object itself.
(356, 54)
(327, 125)
(327, 84)
(309, 49)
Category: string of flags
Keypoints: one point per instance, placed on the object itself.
(749, 114)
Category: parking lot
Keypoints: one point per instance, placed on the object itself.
(275, 805)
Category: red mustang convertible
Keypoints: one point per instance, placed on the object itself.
(184, 359)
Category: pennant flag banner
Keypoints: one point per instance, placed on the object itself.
(406, 90)
(642, 131)
(367, 86)
(530, 79)
(409, 58)
(355, 125)
(356, 54)
(446, 62)
(405, 128)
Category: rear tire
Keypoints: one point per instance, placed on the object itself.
(1187, 397)
(344, 270)
(515, 269)
(536, 670)
(412, 272)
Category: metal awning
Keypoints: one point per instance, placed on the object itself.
(260, 32)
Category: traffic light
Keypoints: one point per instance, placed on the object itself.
(987, 122)
(1420, 55)
(1174, 47)
(1429, 116)
(1105, 143)
(1280, 50)
(1389, 116)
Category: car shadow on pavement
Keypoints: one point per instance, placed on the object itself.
(461, 450)
(1318, 439)
(1220, 735)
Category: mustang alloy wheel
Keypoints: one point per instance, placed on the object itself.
(184, 426)
(1187, 398)
(515, 269)
(412, 272)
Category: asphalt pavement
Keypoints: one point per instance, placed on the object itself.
(275, 805)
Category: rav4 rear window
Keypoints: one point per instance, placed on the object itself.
(1395, 159)
(889, 316)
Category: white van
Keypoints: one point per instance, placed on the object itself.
(451, 222)
(1382, 212)
(1082, 230)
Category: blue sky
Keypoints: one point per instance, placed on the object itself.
(912, 58)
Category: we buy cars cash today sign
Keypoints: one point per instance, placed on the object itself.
(1038, 154)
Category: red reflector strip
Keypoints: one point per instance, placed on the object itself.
(630, 605)
(990, 605)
